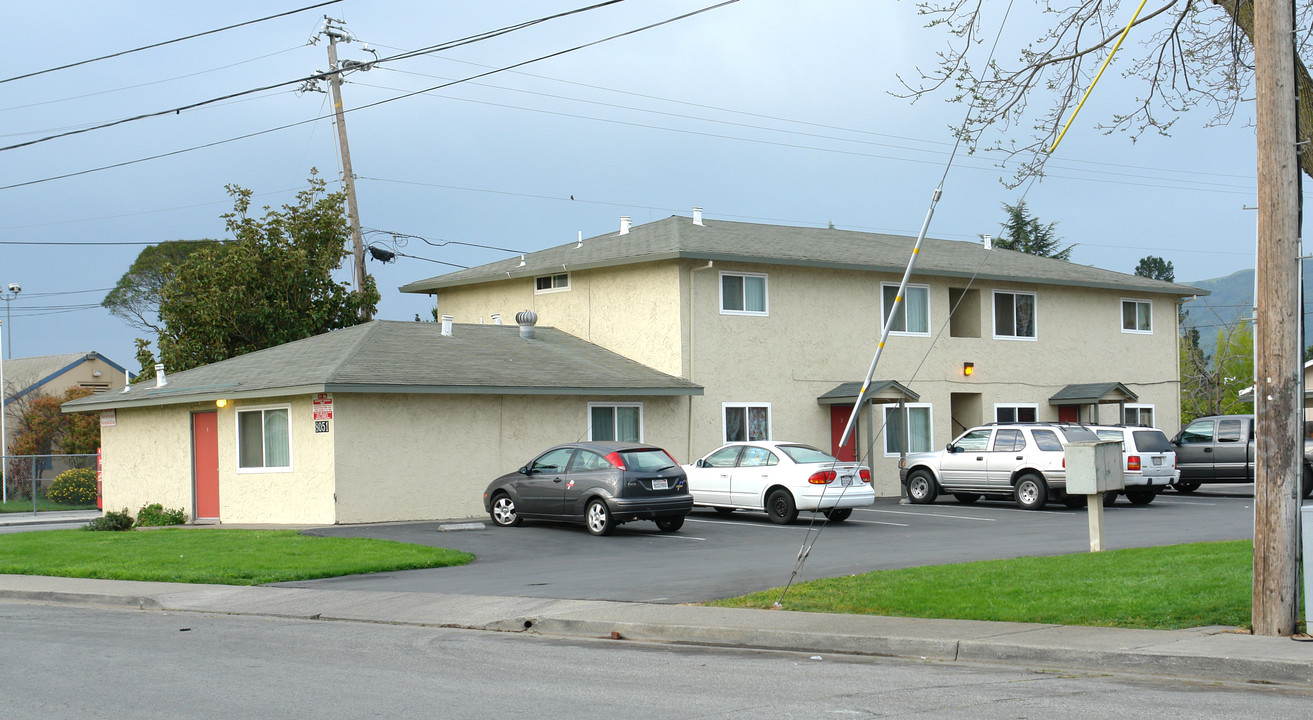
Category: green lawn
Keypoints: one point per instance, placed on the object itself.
(1163, 588)
(210, 555)
(42, 505)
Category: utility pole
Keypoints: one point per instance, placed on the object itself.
(1278, 405)
(335, 32)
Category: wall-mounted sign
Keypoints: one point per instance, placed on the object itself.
(108, 418)
(321, 426)
(323, 405)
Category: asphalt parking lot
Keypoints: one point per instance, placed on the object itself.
(715, 556)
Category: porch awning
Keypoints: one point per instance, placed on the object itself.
(1094, 393)
(881, 391)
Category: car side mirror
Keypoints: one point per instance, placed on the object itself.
(951, 448)
(524, 470)
(700, 463)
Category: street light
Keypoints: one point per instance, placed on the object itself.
(14, 289)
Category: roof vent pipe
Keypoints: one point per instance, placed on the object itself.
(496, 318)
(697, 215)
(988, 241)
(624, 224)
(446, 325)
(160, 380)
(526, 319)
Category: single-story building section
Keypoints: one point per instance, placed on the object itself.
(379, 422)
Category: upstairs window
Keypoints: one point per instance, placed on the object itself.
(1014, 315)
(1016, 413)
(551, 283)
(742, 294)
(913, 316)
(1137, 316)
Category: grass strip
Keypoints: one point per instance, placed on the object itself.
(1172, 587)
(211, 555)
(42, 505)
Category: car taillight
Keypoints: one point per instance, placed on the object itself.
(1133, 462)
(821, 477)
(1064, 463)
(615, 459)
(864, 474)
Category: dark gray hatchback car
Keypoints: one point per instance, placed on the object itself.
(601, 484)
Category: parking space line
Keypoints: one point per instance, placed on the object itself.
(772, 526)
(929, 514)
(874, 522)
(679, 537)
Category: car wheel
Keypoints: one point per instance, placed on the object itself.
(503, 511)
(1073, 501)
(780, 508)
(1031, 492)
(1186, 486)
(598, 519)
(839, 514)
(1308, 483)
(921, 488)
(966, 498)
(1110, 498)
(724, 512)
(1140, 497)
(670, 524)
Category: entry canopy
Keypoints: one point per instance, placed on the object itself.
(1094, 393)
(880, 391)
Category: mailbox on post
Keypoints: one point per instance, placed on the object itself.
(1094, 468)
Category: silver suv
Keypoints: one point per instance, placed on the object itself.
(1148, 462)
(1024, 461)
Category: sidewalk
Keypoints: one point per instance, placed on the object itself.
(1200, 653)
(48, 518)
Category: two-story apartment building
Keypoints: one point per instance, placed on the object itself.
(778, 325)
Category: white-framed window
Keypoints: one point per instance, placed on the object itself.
(1138, 415)
(1014, 315)
(264, 439)
(1137, 316)
(615, 421)
(913, 316)
(560, 282)
(919, 424)
(743, 294)
(1016, 412)
(746, 421)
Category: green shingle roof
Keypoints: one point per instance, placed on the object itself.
(410, 357)
(1086, 393)
(678, 237)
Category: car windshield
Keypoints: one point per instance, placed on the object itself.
(1079, 434)
(1151, 441)
(647, 459)
(806, 454)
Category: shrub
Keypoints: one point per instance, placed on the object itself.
(154, 515)
(111, 520)
(74, 487)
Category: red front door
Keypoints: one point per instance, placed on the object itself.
(1069, 413)
(205, 463)
(838, 421)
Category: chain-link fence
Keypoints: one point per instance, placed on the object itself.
(44, 483)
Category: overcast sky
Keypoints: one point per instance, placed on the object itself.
(763, 111)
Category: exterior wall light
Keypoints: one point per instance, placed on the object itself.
(968, 369)
(221, 403)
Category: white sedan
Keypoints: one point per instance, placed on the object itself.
(779, 478)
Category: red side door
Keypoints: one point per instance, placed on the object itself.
(838, 421)
(205, 463)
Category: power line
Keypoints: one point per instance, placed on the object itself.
(166, 42)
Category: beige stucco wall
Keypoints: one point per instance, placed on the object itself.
(415, 457)
(632, 310)
(303, 495)
(146, 458)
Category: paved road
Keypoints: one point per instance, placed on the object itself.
(714, 557)
(85, 662)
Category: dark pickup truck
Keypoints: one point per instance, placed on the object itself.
(1220, 449)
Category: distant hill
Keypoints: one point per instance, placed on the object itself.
(1231, 298)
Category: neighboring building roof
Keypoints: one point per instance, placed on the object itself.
(1087, 393)
(879, 391)
(678, 237)
(385, 356)
(33, 372)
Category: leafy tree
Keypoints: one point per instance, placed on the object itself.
(1156, 268)
(43, 429)
(136, 297)
(1211, 386)
(1024, 232)
(1180, 56)
(270, 285)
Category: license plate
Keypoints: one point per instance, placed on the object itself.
(1157, 461)
(660, 484)
(846, 479)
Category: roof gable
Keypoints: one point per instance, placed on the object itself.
(28, 375)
